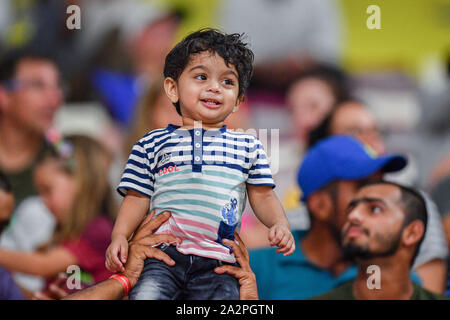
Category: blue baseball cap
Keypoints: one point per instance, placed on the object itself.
(342, 157)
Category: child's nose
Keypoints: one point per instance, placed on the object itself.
(214, 86)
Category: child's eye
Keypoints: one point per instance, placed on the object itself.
(200, 77)
(228, 82)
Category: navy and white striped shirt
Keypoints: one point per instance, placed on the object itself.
(200, 176)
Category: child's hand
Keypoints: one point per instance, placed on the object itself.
(118, 247)
(281, 236)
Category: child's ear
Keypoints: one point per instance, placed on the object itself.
(170, 87)
(238, 103)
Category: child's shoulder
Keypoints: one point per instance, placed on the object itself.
(154, 135)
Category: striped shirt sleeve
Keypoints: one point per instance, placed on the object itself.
(259, 172)
(138, 175)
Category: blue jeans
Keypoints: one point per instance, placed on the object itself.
(191, 278)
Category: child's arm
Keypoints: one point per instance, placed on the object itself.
(269, 211)
(132, 211)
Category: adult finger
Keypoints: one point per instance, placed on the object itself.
(238, 254)
(151, 252)
(152, 226)
(231, 270)
(155, 239)
(241, 245)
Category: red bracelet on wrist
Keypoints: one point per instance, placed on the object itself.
(123, 281)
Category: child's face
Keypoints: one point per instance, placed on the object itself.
(56, 188)
(207, 90)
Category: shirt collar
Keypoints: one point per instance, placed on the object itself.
(172, 127)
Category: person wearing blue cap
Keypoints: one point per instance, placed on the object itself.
(354, 117)
(386, 224)
(329, 176)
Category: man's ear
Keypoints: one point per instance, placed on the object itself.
(171, 89)
(321, 205)
(238, 103)
(413, 232)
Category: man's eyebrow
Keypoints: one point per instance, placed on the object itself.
(355, 202)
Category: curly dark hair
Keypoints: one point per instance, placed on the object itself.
(228, 46)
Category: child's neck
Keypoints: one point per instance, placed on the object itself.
(189, 123)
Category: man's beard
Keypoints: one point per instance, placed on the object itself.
(356, 251)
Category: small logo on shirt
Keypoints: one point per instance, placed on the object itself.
(166, 157)
(164, 162)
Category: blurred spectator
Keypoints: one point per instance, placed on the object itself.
(309, 99)
(286, 36)
(8, 289)
(30, 94)
(441, 171)
(72, 181)
(312, 96)
(350, 117)
(121, 75)
(23, 235)
(440, 193)
(385, 226)
(329, 176)
(354, 118)
(37, 24)
(153, 111)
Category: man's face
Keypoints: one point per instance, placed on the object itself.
(375, 222)
(356, 120)
(6, 208)
(345, 191)
(35, 95)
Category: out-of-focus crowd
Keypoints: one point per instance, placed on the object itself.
(73, 103)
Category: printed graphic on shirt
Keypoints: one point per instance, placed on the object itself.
(165, 165)
(166, 157)
(229, 222)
